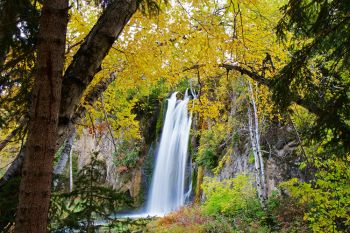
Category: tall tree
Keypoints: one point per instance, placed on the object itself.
(319, 68)
(52, 114)
(85, 64)
(35, 187)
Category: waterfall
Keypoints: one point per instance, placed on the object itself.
(167, 191)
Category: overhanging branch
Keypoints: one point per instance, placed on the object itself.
(269, 83)
(255, 76)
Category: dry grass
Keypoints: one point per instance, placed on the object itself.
(186, 219)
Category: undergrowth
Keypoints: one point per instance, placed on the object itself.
(233, 206)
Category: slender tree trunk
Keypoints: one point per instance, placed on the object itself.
(71, 170)
(68, 147)
(35, 187)
(259, 185)
(198, 194)
(64, 157)
(253, 124)
(257, 138)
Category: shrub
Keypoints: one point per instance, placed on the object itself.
(233, 198)
(127, 155)
(327, 197)
(218, 225)
(209, 151)
(285, 214)
(208, 159)
(90, 201)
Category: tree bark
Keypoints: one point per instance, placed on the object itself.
(35, 187)
(88, 59)
(199, 190)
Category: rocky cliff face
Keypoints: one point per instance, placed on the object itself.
(281, 157)
(278, 142)
(132, 179)
(119, 177)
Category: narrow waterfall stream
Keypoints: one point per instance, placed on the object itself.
(167, 191)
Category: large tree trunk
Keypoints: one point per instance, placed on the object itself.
(93, 94)
(87, 61)
(35, 187)
(84, 66)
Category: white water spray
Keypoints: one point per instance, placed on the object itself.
(167, 191)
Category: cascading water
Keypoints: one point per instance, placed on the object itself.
(167, 191)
